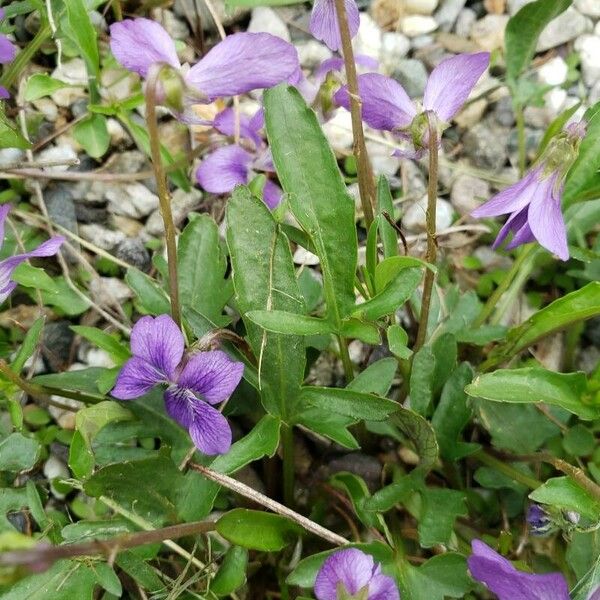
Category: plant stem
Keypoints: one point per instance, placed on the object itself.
(117, 10)
(287, 447)
(33, 390)
(24, 57)
(346, 362)
(46, 555)
(366, 182)
(574, 473)
(163, 190)
(431, 255)
(522, 140)
(507, 469)
(250, 493)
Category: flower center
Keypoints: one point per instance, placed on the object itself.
(344, 594)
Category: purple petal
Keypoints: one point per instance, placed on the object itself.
(225, 123)
(324, 23)
(2, 13)
(213, 375)
(264, 162)
(140, 43)
(451, 82)
(335, 63)
(4, 210)
(7, 290)
(546, 220)
(383, 587)
(136, 378)
(522, 235)
(514, 223)
(501, 577)
(223, 169)
(352, 568)
(512, 199)
(272, 194)
(8, 50)
(385, 104)
(243, 62)
(207, 427)
(4, 93)
(159, 342)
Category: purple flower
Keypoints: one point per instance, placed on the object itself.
(499, 575)
(350, 574)
(225, 168)
(8, 51)
(194, 381)
(538, 520)
(240, 63)
(534, 201)
(324, 24)
(8, 265)
(386, 105)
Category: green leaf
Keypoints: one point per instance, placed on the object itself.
(10, 137)
(331, 425)
(64, 298)
(389, 269)
(309, 174)
(349, 403)
(395, 493)
(33, 277)
(533, 384)
(388, 235)
(117, 350)
(377, 378)
(440, 509)
(81, 31)
(90, 420)
(18, 452)
(358, 492)
(84, 380)
(257, 530)
(92, 134)
(107, 578)
(420, 432)
(202, 265)
(28, 346)
(392, 297)
(280, 321)
(564, 493)
(397, 342)
(422, 380)
(579, 441)
(361, 330)
(151, 296)
(264, 279)
(232, 572)
(81, 457)
(524, 29)
(40, 85)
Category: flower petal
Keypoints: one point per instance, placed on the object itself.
(8, 50)
(383, 587)
(272, 194)
(4, 210)
(4, 93)
(243, 62)
(159, 342)
(512, 199)
(324, 24)
(223, 169)
(248, 129)
(501, 577)
(514, 223)
(139, 43)
(136, 378)
(546, 220)
(451, 82)
(207, 427)
(352, 568)
(385, 104)
(213, 375)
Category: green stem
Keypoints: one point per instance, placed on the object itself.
(163, 190)
(366, 182)
(24, 57)
(117, 10)
(346, 362)
(522, 140)
(430, 220)
(287, 447)
(35, 391)
(507, 469)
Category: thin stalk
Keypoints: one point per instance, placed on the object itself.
(366, 182)
(244, 490)
(575, 473)
(117, 10)
(287, 447)
(46, 555)
(430, 221)
(522, 140)
(345, 356)
(163, 191)
(507, 469)
(25, 57)
(31, 389)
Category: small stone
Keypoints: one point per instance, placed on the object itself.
(304, 257)
(588, 47)
(412, 75)
(591, 8)
(554, 101)
(88, 213)
(57, 341)
(415, 25)
(182, 204)
(118, 135)
(448, 13)
(174, 136)
(503, 112)
(9, 156)
(54, 468)
(471, 114)
(133, 252)
(338, 130)
(131, 199)
(420, 7)
(96, 357)
(365, 466)
(395, 47)
(457, 44)
(486, 145)
(226, 15)
(566, 27)
(130, 227)
(413, 180)
(267, 20)
(422, 42)
(488, 33)
(47, 108)
(369, 38)
(312, 53)
(414, 217)
(490, 259)
(175, 27)
(101, 236)
(61, 209)
(465, 21)
(555, 71)
(57, 154)
(468, 193)
(74, 73)
(381, 159)
(109, 291)
(495, 6)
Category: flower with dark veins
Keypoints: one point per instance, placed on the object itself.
(8, 265)
(194, 382)
(353, 575)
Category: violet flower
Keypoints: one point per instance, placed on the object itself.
(194, 382)
(240, 63)
(324, 24)
(8, 265)
(386, 105)
(534, 201)
(225, 168)
(538, 519)
(504, 580)
(353, 575)
(8, 51)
